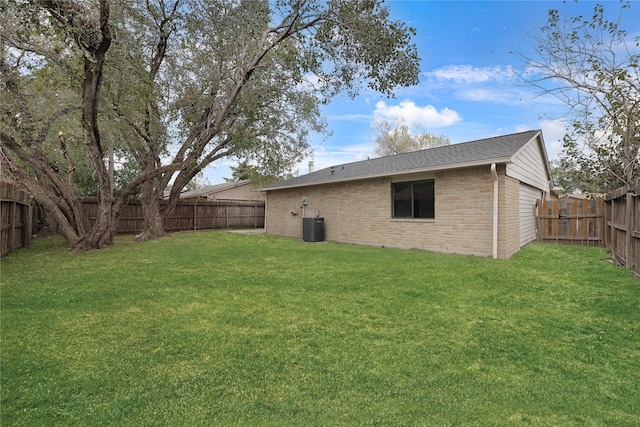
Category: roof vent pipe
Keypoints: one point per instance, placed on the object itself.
(311, 165)
(495, 210)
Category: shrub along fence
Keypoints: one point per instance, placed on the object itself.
(571, 221)
(622, 226)
(191, 214)
(16, 211)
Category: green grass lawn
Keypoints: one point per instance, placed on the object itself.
(216, 328)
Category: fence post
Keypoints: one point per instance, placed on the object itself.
(27, 224)
(554, 224)
(628, 237)
(12, 221)
(602, 222)
(574, 220)
(585, 221)
(536, 209)
(614, 235)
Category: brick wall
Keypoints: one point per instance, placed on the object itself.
(360, 212)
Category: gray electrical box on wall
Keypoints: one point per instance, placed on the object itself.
(313, 229)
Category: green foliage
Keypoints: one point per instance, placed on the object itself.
(173, 95)
(602, 167)
(361, 45)
(567, 175)
(273, 331)
(592, 65)
(243, 171)
(257, 175)
(244, 90)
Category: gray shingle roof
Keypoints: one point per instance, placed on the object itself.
(208, 189)
(498, 149)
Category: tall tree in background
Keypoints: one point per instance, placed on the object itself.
(242, 171)
(592, 65)
(566, 175)
(245, 170)
(189, 82)
(396, 137)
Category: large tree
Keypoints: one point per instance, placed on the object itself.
(182, 84)
(251, 88)
(592, 65)
(31, 109)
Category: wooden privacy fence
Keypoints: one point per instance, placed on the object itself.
(571, 221)
(622, 226)
(16, 211)
(190, 215)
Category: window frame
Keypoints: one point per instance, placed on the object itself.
(412, 184)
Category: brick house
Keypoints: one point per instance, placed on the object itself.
(475, 198)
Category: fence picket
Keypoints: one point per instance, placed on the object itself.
(16, 212)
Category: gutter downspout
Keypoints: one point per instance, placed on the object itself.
(495, 210)
(266, 198)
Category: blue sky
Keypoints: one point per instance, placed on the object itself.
(468, 87)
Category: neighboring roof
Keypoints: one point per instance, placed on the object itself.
(498, 149)
(212, 189)
(582, 196)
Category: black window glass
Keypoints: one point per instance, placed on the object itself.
(402, 200)
(413, 199)
(423, 206)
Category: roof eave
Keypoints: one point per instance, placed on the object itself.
(475, 163)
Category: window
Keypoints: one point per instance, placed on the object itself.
(413, 199)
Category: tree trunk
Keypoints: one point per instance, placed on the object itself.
(151, 211)
(67, 226)
(103, 230)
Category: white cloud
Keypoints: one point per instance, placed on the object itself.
(416, 116)
(553, 132)
(521, 128)
(349, 117)
(469, 74)
(324, 156)
(490, 95)
(496, 84)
